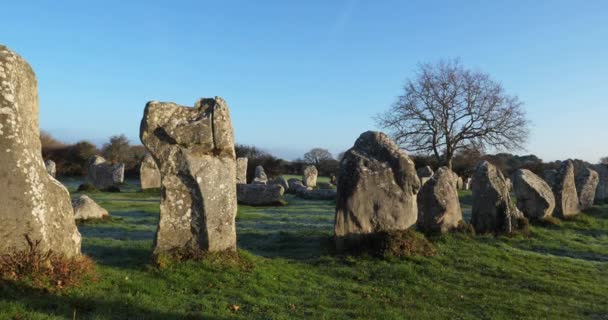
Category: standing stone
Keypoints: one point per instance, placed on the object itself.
(564, 189)
(281, 181)
(32, 203)
(377, 188)
(438, 204)
(149, 175)
(260, 176)
(310, 176)
(104, 174)
(493, 210)
(87, 209)
(601, 192)
(534, 196)
(259, 194)
(509, 184)
(467, 184)
(586, 185)
(425, 173)
(51, 168)
(194, 149)
(459, 183)
(241, 170)
(333, 180)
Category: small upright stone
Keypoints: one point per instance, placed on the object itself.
(194, 150)
(149, 175)
(260, 176)
(51, 168)
(459, 183)
(467, 184)
(377, 189)
(241, 170)
(564, 189)
(32, 203)
(438, 204)
(586, 186)
(104, 174)
(309, 178)
(425, 174)
(493, 210)
(534, 196)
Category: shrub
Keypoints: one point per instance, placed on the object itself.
(168, 259)
(388, 244)
(45, 269)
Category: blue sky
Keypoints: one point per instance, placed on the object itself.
(304, 74)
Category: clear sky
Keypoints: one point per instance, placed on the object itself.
(304, 74)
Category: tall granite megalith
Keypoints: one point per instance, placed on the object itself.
(32, 202)
(194, 149)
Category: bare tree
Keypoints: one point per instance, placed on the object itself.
(446, 108)
(316, 155)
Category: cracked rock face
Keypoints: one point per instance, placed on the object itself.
(194, 150)
(149, 175)
(586, 185)
(493, 210)
(377, 189)
(534, 196)
(564, 189)
(104, 174)
(32, 202)
(438, 204)
(309, 178)
(241, 170)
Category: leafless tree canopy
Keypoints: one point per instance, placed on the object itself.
(447, 108)
(316, 155)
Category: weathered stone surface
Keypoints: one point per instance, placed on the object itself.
(309, 178)
(493, 210)
(280, 181)
(51, 168)
(104, 174)
(467, 184)
(424, 174)
(564, 190)
(601, 192)
(534, 196)
(259, 194)
(509, 184)
(318, 194)
(586, 186)
(438, 204)
(260, 176)
(87, 209)
(194, 149)
(241, 170)
(31, 201)
(377, 188)
(149, 175)
(295, 185)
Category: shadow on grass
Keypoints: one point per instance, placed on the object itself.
(119, 256)
(568, 253)
(78, 307)
(116, 233)
(290, 245)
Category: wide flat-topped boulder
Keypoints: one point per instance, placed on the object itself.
(86, 208)
(564, 189)
(259, 194)
(586, 186)
(32, 202)
(104, 174)
(194, 150)
(438, 203)
(149, 175)
(534, 196)
(493, 210)
(377, 188)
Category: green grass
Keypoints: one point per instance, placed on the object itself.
(289, 271)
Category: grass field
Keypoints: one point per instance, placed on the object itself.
(287, 271)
